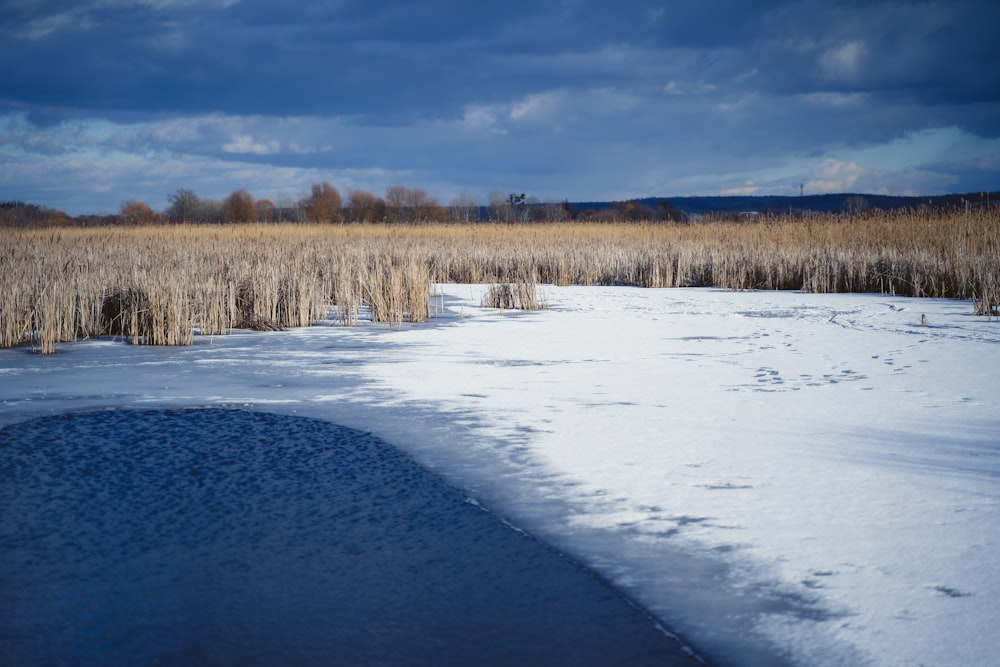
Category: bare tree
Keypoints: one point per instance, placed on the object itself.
(856, 205)
(416, 202)
(555, 212)
(266, 211)
(364, 206)
(500, 207)
(136, 213)
(531, 209)
(239, 207)
(464, 208)
(511, 207)
(290, 209)
(185, 206)
(420, 206)
(324, 203)
(395, 203)
(666, 211)
(209, 210)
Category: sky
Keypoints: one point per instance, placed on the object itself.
(105, 101)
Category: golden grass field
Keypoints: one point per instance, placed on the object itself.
(159, 284)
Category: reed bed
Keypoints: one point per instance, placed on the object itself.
(522, 295)
(162, 285)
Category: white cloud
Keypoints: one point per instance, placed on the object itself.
(537, 107)
(296, 149)
(13, 125)
(480, 117)
(831, 176)
(737, 103)
(843, 61)
(81, 17)
(176, 129)
(747, 188)
(244, 143)
(836, 100)
(923, 147)
(609, 99)
(163, 4)
(674, 87)
(63, 21)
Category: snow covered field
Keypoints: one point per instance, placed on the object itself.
(781, 478)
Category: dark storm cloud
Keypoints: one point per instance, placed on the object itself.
(313, 57)
(574, 98)
(422, 58)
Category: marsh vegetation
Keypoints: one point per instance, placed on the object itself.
(161, 285)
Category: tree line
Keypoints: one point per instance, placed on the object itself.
(400, 204)
(22, 214)
(325, 204)
(322, 204)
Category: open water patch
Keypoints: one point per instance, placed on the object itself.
(224, 537)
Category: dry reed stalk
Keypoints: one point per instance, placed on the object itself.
(158, 284)
(396, 289)
(520, 295)
(500, 297)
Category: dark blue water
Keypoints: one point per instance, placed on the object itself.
(216, 537)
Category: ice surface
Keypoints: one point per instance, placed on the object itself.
(778, 477)
(227, 537)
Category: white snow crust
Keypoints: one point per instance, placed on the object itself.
(778, 477)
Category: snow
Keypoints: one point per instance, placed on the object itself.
(778, 477)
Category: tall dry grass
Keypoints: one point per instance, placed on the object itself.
(522, 295)
(159, 285)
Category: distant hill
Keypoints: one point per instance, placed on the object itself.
(832, 203)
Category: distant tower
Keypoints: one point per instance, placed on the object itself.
(802, 190)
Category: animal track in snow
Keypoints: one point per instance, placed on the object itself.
(950, 592)
(768, 379)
